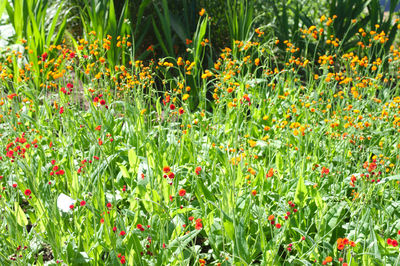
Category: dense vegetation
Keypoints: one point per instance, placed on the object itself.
(199, 132)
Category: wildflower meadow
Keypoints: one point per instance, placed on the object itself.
(190, 132)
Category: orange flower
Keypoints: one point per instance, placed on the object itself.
(166, 169)
(202, 11)
(270, 172)
(182, 192)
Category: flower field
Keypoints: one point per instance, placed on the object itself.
(258, 158)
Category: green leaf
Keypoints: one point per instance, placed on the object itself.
(301, 192)
(279, 162)
(2, 7)
(20, 215)
(124, 170)
(180, 243)
(207, 194)
(133, 159)
(229, 229)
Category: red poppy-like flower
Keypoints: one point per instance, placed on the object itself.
(181, 111)
(28, 192)
(102, 102)
(198, 225)
(109, 205)
(70, 86)
(14, 185)
(123, 260)
(61, 172)
(198, 170)
(171, 175)
(71, 206)
(172, 106)
(166, 169)
(182, 192)
(44, 56)
(122, 233)
(191, 218)
(102, 220)
(96, 99)
(278, 226)
(83, 203)
(324, 171)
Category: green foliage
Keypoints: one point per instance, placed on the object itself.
(240, 16)
(270, 152)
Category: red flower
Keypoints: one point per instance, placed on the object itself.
(198, 225)
(71, 206)
(172, 106)
(182, 192)
(44, 56)
(171, 175)
(191, 218)
(122, 233)
(28, 192)
(109, 205)
(278, 226)
(14, 185)
(198, 170)
(102, 102)
(83, 203)
(123, 260)
(166, 169)
(70, 86)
